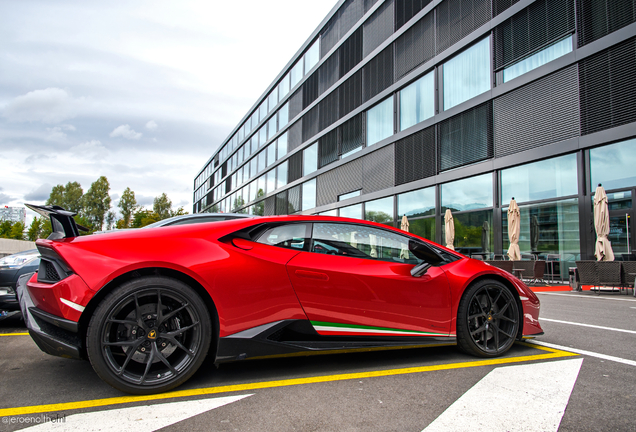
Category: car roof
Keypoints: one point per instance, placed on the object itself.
(174, 219)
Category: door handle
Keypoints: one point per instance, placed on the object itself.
(311, 275)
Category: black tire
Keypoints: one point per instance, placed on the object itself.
(487, 319)
(149, 335)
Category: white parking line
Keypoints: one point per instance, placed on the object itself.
(587, 296)
(584, 352)
(500, 399)
(588, 325)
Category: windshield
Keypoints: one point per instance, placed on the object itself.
(19, 259)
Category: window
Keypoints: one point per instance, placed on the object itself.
(417, 101)
(420, 202)
(310, 159)
(468, 194)
(292, 236)
(467, 74)
(282, 145)
(262, 135)
(283, 116)
(348, 195)
(254, 119)
(296, 73)
(283, 87)
(613, 165)
(544, 56)
(253, 167)
(380, 121)
(354, 211)
(380, 211)
(551, 178)
(261, 161)
(281, 175)
(271, 153)
(271, 127)
(272, 99)
(262, 111)
(271, 180)
(333, 212)
(360, 241)
(312, 56)
(309, 195)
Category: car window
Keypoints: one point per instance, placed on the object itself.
(197, 220)
(360, 241)
(291, 236)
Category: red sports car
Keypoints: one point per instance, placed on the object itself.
(147, 306)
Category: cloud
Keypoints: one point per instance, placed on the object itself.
(144, 200)
(55, 134)
(37, 157)
(151, 125)
(51, 105)
(125, 131)
(41, 193)
(90, 148)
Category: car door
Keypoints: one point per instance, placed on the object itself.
(355, 280)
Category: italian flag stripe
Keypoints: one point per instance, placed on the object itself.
(327, 328)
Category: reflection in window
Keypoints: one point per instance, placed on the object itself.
(545, 179)
(333, 212)
(309, 195)
(283, 87)
(613, 165)
(424, 227)
(467, 74)
(380, 121)
(354, 211)
(312, 56)
(420, 202)
(359, 241)
(282, 145)
(473, 232)
(271, 180)
(271, 127)
(296, 73)
(283, 116)
(261, 161)
(544, 56)
(262, 111)
(281, 175)
(272, 99)
(271, 153)
(310, 159)
(292, 236)
(380, 211)
(262, 135)
(417, 101)
(468, 194)
(349, 195)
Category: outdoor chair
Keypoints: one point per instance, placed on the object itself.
(628, 275)
(609, 273)
(504, 265)
(539, 272)
(523, 269)
(586, 271)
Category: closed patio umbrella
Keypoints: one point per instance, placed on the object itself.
(514, 229)
(603, 250)
(449, 228)
(485, 236)
(404, 226)
(534, 233)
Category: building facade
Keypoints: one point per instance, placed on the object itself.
(13, 214)
(412, 107)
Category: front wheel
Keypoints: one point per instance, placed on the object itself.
(487, 319)
(149, 335)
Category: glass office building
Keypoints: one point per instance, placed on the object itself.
(412, 107)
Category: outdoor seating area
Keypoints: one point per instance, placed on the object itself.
(606, 274)
(531, 271)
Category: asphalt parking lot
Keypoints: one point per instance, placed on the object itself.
(582, 378)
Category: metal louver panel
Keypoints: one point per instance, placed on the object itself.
(350, 53)
(501, 5)
(328, 73)
(224, 169)
(378, 74)
(328, 110)
(295, 170)
(378, 170)
(407, 9)
(346, 178)
(458, 18)
(295, 135)
(368, 4)
(608, 88)
(542, 112)
(542, 22)
(598, 18)
(296, 103)
(352, 134)
(466, 138)
(293, 200)
(415, 46)
(310, 90)
(270, 206)
(415, 156)
(328, 148)
(378, 28)
(281, 203)
(350, 94)
(329, 36)
(350, 13)
(326, 188)
(310, 123)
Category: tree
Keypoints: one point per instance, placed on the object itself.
(96, 203)
(5, 228)
(162, 206)
(17, 231)
(35, 229)
(110, 220)
(127, 205)
(69, 197)
(259, 207)
(142, 218)
(238, 203)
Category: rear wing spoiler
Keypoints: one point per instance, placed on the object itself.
(62, 221)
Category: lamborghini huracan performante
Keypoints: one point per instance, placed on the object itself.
(146, 307)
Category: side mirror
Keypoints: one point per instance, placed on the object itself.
(424, 252)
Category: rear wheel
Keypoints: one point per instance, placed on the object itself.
(487, 319)
(149, 335)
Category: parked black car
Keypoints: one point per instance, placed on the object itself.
(11, 268)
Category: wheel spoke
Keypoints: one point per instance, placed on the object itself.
(151, 358)
(180, 345)
(129, 355)
(159, 307)
(171, 314)
(478, 330)
(179, 331)
(503, 317)
(495, 332)
(164, 360)
(118, 321)
(472, 317)
(122, 343)
(138, 316)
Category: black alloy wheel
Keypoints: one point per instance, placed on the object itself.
(149, 335)
(487, 319)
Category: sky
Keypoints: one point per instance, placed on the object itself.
(141, 92)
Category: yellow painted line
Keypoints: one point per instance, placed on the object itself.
(14, 334)
(551, 354)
